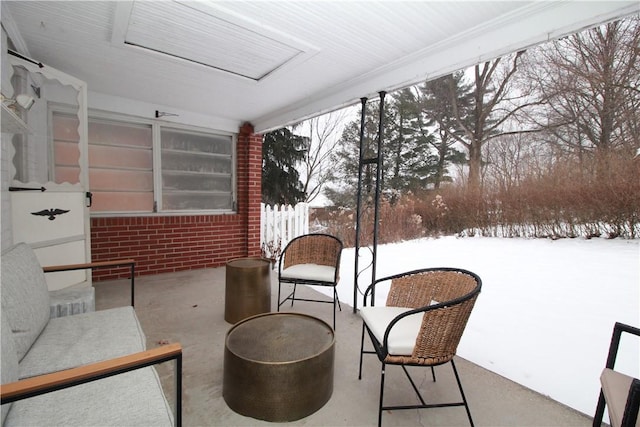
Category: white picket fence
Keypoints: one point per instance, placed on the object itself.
(280, 224)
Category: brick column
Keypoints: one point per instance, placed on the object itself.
(250, 184)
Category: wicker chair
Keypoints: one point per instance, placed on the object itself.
(420, 325)
(620, 393)
(311, 259)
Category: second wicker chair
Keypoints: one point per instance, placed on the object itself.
(311, 259)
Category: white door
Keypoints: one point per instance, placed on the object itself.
(49, 203)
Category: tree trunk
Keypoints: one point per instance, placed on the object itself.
(475, 165)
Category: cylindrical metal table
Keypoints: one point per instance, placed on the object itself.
(278, 366)
(247, 288)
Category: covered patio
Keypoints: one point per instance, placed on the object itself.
(223, 72)
(264, 65)
(188, 307)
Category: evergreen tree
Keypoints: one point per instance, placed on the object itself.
(407, 159)
(398, 141)
(281, 151)
(416, 161)
(436, 112)
(344, 176)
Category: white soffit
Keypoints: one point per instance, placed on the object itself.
(526, 26)
(207, 35)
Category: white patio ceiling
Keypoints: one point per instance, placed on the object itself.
(274, 63)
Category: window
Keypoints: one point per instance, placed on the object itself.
(139, 167)
(120, 166)
(196, 170)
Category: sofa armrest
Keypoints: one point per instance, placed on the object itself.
(35, 386)
(100, 264)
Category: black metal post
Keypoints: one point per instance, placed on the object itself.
(377, 195)
(363, 102)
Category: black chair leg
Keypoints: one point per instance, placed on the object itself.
(278, 303)
(464, 399)
(597, 419)
(334, 313)
(293, 295)
(381, 394)
(335, 299)
(361, 352)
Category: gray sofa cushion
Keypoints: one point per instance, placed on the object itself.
(68, 342)
(8, 358)
(25, 296)
(131, 399)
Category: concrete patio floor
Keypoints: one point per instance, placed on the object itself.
(188, 307)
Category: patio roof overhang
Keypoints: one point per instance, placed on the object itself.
(275, 63)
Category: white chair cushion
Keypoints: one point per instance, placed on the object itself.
(312, 272)
(402, 338)
(615, 387)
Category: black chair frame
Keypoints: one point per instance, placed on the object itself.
(295, 281)
(381, 349)
(632, 406)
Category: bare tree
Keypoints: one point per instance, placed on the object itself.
(512, 159)
(324, 135)
(590, 81)
(483, 114)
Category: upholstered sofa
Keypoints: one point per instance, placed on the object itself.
(97, 361)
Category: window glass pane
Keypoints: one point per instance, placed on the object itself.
(196, 170)
(182, 201)
(196, 142)
(66, 152)
(120, 166)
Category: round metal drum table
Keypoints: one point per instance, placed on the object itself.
(278, 366)
(247, 288)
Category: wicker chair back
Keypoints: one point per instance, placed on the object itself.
(451, 295)
(321, 249)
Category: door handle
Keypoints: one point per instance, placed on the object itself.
(89, 195)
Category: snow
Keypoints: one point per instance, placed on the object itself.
(546, 311)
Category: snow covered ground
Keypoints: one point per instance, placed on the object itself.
(546, 311)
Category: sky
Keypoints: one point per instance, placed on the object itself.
(547, 308)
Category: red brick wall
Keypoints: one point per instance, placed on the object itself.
(250, 182)
(162, 244)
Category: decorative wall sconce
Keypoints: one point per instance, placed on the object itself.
(23, 100)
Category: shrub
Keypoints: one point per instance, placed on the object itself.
(565, 203)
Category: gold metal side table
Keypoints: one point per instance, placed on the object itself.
(247, 288)
(278, 366)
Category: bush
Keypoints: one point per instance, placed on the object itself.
(566, 203)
